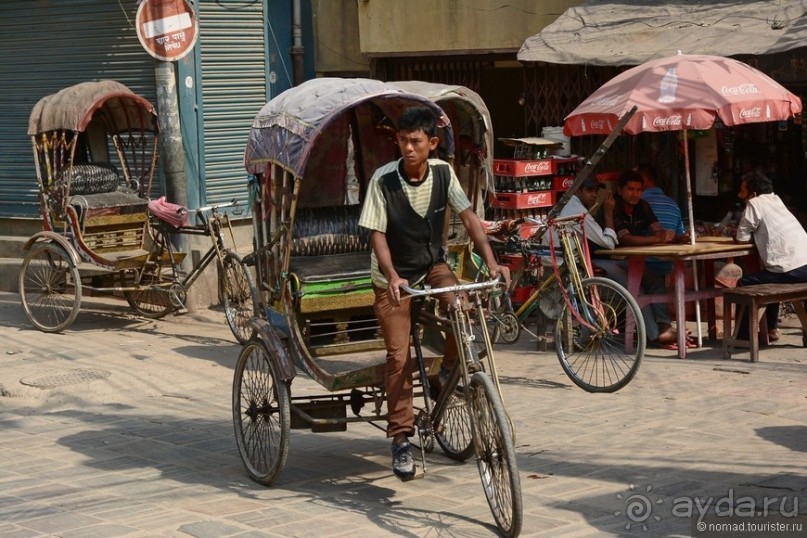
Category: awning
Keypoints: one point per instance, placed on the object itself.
(631, 32)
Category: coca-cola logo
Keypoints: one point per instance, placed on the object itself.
(536, 199)
(567, 182)
(742, 89)
(755, 112)
(537, 167)
(668, 121)
(598, 124)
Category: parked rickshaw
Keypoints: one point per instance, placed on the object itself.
(95, 151)
(312, 151)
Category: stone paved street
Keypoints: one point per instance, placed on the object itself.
(123, 427)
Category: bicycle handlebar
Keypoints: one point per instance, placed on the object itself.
(212, 207)
(471, 286)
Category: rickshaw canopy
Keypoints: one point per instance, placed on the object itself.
(288, 127)
(74, 107)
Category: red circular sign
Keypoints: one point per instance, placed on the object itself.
(167, 29)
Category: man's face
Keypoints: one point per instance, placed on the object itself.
(415, 146)
(631, 192)
(743, 193)
(588, 195)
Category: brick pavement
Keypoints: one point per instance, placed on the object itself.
(140, 442)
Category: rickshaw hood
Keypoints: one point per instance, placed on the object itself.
(73, 107)
(286, 127)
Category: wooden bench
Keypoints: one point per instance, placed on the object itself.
(752, 299)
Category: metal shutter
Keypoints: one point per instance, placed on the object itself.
(46, 46)
(233, 63)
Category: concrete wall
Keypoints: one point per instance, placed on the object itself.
(336, 39)
(452, 27)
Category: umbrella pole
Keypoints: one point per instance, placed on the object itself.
(691, 241)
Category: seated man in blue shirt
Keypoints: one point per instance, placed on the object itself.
(637, 225)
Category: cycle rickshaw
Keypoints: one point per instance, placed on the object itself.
(95, 150)
(311, 151)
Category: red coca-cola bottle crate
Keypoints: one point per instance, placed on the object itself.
(521, 294)
(562, 183)
(512, 261)
(541, 167)
(523, 200)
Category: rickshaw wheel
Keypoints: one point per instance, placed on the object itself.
(50, 287)
(454, 433)
(496, 457)
(153, 299)
(240, 296)
(261, 413)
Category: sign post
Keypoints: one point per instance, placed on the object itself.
(167, 29)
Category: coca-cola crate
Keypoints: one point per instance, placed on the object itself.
(523, 200)
(512, 261)
(562, 183)
(521, 294)
(541, 167)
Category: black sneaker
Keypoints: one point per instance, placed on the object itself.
(403, 464)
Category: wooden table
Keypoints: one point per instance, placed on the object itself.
(707, 249)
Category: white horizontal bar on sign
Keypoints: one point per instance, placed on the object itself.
(166, 25)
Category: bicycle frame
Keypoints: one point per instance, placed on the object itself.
(458, 323)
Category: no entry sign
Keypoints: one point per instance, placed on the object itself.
(167, 29)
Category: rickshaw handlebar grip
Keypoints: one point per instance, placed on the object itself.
(458, 288)
(231, 203)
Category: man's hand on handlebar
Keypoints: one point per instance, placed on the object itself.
(394, 290)
(497, 270)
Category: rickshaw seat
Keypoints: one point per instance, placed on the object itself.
(311, 269)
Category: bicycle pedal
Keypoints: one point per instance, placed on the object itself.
(180, 311)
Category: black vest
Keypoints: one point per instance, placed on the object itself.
(415, 242)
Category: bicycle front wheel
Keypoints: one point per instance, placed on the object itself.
(600, 340)
(240, 296)
(495, 455)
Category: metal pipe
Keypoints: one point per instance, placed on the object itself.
(297, 49)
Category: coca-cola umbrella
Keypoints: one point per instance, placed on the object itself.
(683, 92)
(679, 93)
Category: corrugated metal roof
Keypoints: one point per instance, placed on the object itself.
(631, 32)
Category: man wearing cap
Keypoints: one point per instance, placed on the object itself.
(599, 237)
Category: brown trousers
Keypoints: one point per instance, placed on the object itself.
(396, 325)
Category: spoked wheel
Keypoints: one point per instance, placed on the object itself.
(454, 432)
(496, 457)
(593, 350)
(240, 296)
(261, 413)
(50, 287)
(153, 298)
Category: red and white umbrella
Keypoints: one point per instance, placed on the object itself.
(682, 92)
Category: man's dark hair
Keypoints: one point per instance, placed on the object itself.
(647, 172)
(628, 176)
(758, 183)
(418, 118)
